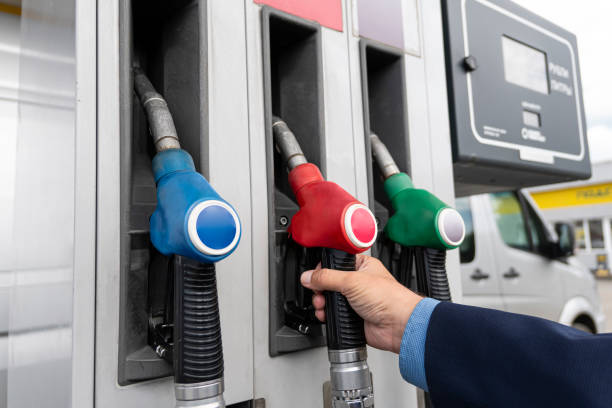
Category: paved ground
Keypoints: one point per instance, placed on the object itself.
(605, 292)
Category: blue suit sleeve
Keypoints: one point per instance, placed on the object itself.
(412, 349)
(478, 357)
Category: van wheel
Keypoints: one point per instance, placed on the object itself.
(582, 326)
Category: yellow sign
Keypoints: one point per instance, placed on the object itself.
(10, 9)
(570, 197)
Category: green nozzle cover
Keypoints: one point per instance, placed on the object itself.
(416, 214)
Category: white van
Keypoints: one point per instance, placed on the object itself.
(512, 260)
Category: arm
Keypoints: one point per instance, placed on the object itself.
(467, 356)
(487, 357)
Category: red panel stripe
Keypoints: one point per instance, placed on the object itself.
(328, 13)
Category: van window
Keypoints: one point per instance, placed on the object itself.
(509, 219)
(537, 231)
(467, 250)
(596, 234)
(579, 234)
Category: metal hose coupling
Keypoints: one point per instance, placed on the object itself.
(161, 124)
(383, 158)
(208, 394)
(351, 381)
(287, 144)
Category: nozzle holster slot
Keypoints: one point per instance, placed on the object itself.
(385, 114)
(292, 91)
(168, 42)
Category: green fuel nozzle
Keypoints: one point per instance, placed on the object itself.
(421, 219)
(422, 225)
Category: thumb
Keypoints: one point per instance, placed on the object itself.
(324, 279)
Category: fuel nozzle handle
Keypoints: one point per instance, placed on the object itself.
(332, 219)
(197, 346)
(421, 222)
(344, 326)
(421, 218)
(195, 226)
(351, 381)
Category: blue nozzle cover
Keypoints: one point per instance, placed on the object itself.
(190, 219)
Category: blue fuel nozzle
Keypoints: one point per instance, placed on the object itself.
(191, 219)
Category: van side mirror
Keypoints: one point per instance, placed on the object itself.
(567, 240)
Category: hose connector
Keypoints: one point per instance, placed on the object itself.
(287, 144)
(159, 117)
(351, 381)
(383, 158)
(207, 394)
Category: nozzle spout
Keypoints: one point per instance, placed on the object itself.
(159, 117)
(287, 144)
(383, 158)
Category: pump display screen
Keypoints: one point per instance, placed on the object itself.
(524, 66)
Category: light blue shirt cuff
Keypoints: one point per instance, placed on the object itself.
(412, 349)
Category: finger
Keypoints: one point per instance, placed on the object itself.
(324, 279)
(320, 314)
(373, 266)
(318, 301)
(361, 260)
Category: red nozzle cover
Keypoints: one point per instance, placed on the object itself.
(329, 217)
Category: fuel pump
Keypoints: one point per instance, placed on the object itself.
(196, 227)
(332, 219)
(422, 225)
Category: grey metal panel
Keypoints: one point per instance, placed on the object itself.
(361, 168)
(83, 325)
(337, 89)
(412, 27)
(229, 172)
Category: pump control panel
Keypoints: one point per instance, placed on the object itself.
(517, 117)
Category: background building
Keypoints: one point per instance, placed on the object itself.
(588, 206)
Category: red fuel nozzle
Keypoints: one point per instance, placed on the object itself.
(329, 217)
(333, 220)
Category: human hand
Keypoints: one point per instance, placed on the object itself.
(384, 304)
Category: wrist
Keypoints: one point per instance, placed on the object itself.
(403, 311)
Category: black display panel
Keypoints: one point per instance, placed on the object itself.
(515, 99)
